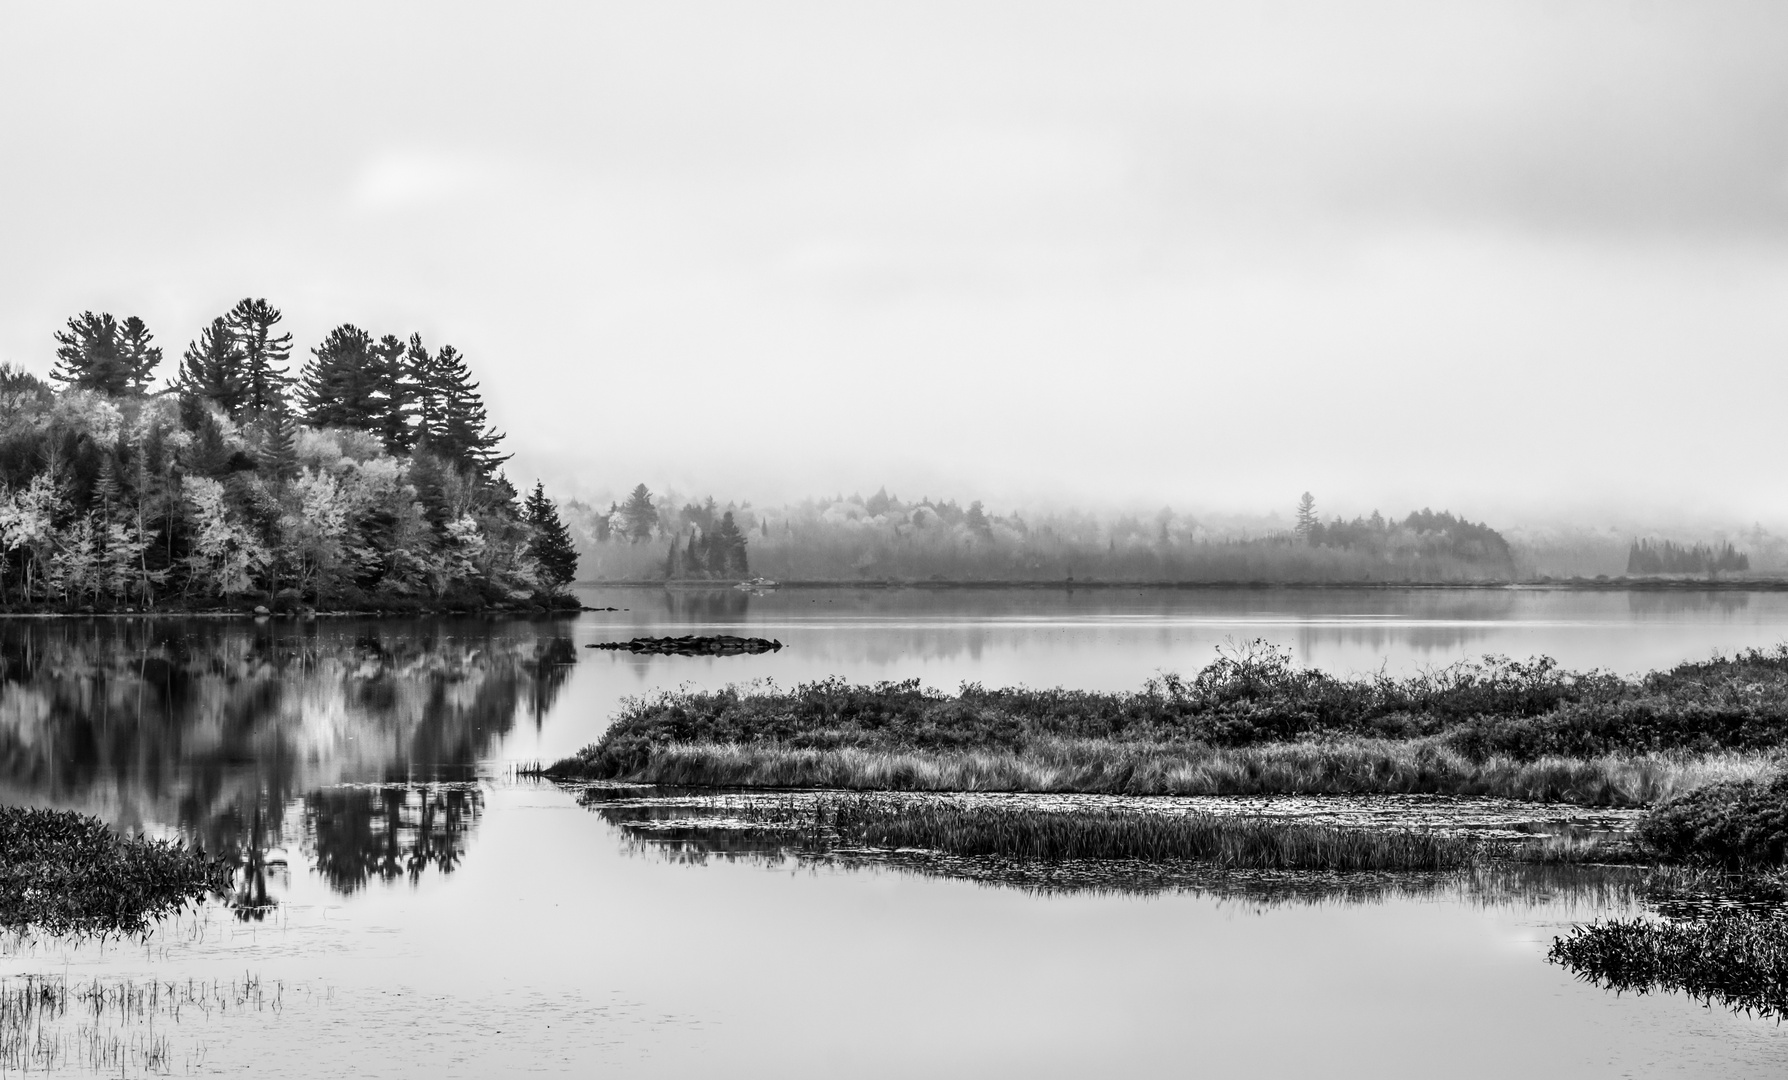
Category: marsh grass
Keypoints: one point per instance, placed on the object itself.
(67, 873)
(50, 1023)
(1736, 956)
(1350, 767)
(1249, 723)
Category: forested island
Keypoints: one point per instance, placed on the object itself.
(649, 537)
(371, 480)
(883, 539)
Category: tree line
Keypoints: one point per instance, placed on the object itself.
(884, 537)
(1667, 557)
(372, 477)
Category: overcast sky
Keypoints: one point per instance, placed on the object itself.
(1518, 259)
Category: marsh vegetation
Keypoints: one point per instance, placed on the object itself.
(1250, 723)
(66, 873)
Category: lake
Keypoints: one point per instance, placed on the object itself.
(410, 907)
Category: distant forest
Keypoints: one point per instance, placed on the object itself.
(1665, 557)
(885, 538)
(370, 478)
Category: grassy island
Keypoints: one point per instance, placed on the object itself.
(1252, 723)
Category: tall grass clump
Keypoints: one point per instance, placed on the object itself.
(1228, 842)
(1736, 956)
(1494, 715)
(67, 873)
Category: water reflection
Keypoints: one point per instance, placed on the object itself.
(217, 729)
(389, 832)
(772, 830)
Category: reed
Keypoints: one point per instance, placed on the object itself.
(50, 1022)
(1358, 766)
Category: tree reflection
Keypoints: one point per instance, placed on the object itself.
(216, 727)
(388, 832)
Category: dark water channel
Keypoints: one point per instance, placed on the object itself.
(409, 908)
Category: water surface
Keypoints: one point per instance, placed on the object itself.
(418, 911)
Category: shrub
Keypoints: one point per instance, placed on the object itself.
(1737, 823)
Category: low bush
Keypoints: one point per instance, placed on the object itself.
(1741, 823)
(66, 873)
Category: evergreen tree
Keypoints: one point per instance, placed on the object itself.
(1306, 520)
(639, 513)
(96, 352)
(340, 386)
(726, 551)
(977, 519)
(140, 354)
(264, 355)
(550, 545)
(429, 406)
(282, 443)
(397, 394)
(463, 433)
(213, 368)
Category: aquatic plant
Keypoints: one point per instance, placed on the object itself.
(66, 873)
(1736, 956)
(49, 1022)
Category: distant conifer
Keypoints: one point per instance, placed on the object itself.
(550, 545)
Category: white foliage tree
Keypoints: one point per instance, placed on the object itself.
(225, 554)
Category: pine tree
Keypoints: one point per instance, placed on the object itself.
(429, 406)
(397, 394)
(464, 435)
(340, 386)
(550, 545)
(1306, 520)
(213, 368)
(140, 354)
(264, 355)
(96, 352)
(282, 443)
(639, 513)
(726, 553)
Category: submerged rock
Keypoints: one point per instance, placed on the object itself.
(690, 645)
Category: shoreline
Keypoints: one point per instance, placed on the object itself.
(1621, 584)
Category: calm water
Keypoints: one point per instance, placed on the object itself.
(409, 910)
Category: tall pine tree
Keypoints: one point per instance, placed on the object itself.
(463, 434)
(96, 352)
(340, 386)
(212, 368)
(397, 392)
(264, 355)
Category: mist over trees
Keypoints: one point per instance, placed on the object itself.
(1666, 557)
(371, 478)
(885, 538)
